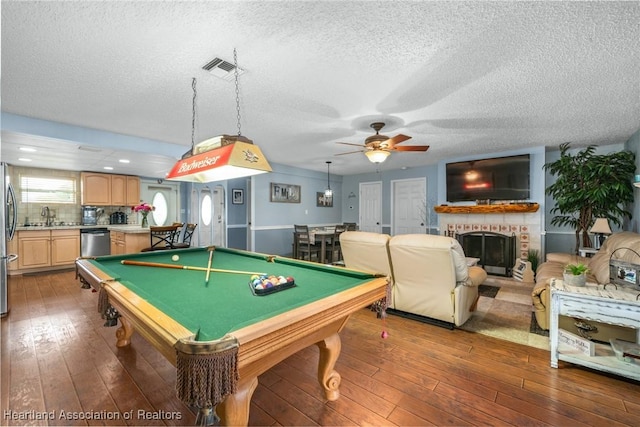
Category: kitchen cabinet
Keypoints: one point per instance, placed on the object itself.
(103, 189)
(118, 190)
(47, 248)
(65, 246)
(127, 243)
(96, 189)
(133, 190)
(34, 249)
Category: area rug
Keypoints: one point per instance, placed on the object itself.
(504, 311)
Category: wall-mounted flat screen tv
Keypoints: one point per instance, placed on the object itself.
(499, 178)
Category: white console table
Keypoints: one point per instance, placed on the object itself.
(593, 302)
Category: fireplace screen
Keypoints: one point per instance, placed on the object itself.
(496, 251)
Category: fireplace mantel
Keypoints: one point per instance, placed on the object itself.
(488, 209)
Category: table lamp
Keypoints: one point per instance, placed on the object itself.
(600, 228)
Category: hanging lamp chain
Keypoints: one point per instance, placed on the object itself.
(235, 63)
(193, 115)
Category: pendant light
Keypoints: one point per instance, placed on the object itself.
(328, 192)
(222, 157)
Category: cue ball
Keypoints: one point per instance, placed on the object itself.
(175, 257)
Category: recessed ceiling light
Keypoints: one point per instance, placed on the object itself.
(109, 168)
(28, 149)
(124, 161)
(22, 159)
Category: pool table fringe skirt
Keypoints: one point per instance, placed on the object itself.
(204, 380)
(206, 374)
(103, 301)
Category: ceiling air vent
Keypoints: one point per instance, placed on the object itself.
(222, 69)
(90, 149)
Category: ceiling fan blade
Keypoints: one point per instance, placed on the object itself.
(411, 148)
(349, 152)
(391, 142)
(348, 143)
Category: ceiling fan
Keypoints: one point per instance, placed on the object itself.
(378, 147)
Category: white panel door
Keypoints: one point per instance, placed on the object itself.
(409, 201)
(169, 191)
(370, 218)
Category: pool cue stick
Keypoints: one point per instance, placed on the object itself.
(184, 267)
(210, 249)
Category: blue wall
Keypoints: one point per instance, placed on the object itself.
(633, 145)
(272, 223)
(436, 185)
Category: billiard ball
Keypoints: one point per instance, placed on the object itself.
(175, 258)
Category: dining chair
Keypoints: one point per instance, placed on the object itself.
(334, 251)
(179, 231)
(350, 226)
(303, 243)
(161, 237)
(185, 242)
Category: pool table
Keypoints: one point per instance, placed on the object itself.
(221, 334)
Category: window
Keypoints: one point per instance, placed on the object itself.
(205, 209)
(161, 211)
(47, 190)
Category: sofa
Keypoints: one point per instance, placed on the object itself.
(620, 246)
(428, 274)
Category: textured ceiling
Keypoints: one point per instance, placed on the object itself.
(466, 78)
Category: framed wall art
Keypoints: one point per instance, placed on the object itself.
(323, 200)
(284, 193)
(237, 196)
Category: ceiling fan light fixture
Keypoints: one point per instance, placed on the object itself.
(377, 156)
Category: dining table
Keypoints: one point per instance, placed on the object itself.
(324, 236)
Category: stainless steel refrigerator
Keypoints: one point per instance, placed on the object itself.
(8, 218)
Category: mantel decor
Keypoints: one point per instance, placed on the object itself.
(284, 193)
(488, 209)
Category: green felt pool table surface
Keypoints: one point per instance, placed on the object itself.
(226, 303)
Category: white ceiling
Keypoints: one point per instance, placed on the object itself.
(466, 78)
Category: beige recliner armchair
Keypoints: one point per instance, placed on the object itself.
(429, 274)
(432, 278)
(366, 251)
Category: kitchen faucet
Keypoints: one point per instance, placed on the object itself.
(46, 213)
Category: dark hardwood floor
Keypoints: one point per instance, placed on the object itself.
(58, 359)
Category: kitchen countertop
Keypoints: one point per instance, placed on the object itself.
(125, 228)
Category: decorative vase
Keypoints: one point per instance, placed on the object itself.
(574, 280)
(145, 222)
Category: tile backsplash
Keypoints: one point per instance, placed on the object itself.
(67, 213)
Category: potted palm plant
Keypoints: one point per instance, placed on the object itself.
(590, 186)
(575, 274)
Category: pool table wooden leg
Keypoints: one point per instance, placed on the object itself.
(234, 410)
(124, 332)
(328, 377)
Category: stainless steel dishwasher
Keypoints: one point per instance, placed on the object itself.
(94, 242)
